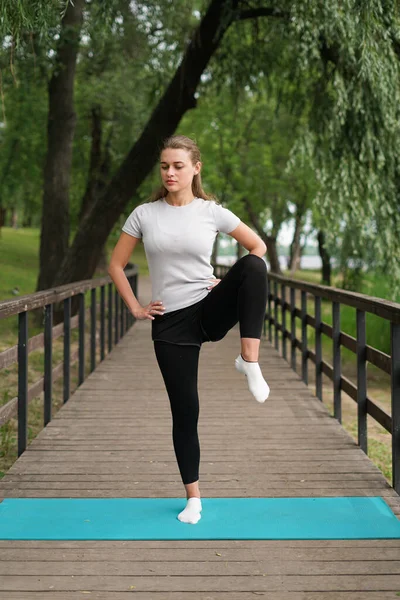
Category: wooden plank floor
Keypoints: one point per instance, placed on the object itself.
(113, 439)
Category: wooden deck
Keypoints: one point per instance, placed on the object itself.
(113, 439)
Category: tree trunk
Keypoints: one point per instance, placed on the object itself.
(295, 246)
(92, 185)
(102, 264)
(13, 155)
(295, 260)
(82, 258)
(60, 132)
(98, 176)
(239, 251)
(326, 261)
(6, 170)
(272, 254)
(3, 214)
(269, 240)
(214, 255)
(14, 217)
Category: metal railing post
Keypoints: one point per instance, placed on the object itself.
(293, 328)
(361, 381)
(67, 348)
(337, 370)
(318, 348)
(102, 323)
(283, 313)
(395, 388)
(81, 328)
(304, 371)
(22, 381)
(48, 369)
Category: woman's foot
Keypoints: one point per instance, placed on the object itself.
(255, 380)
(191, 513)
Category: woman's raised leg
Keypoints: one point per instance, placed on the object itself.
(241, 296)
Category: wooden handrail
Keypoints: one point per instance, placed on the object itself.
(390, 311)
(53, 295)
(119, 320)
(377, 306)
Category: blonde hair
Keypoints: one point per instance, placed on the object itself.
(184, 143)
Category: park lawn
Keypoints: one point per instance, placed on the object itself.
(19, 262)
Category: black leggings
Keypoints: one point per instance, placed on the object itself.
(240, 296)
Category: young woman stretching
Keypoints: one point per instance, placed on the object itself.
(178, 226)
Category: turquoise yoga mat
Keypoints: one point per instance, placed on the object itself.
(222, 519)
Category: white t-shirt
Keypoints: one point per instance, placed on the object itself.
(178, 242)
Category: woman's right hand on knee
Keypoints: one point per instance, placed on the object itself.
(148, 311)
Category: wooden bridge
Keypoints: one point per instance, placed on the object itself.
(113, 439)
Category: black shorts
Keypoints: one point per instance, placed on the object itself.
(181, 326)
(240, 297)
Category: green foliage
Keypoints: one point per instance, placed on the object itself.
(24, 16)
(336, 67)
(23, 142)
(125, 60)
(245, 142)
(318, 82)
(347, 53)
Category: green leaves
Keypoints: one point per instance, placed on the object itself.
(19, 18)
(314, 81)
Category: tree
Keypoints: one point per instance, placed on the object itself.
(321, 60)
(177, 99)
(54, 238)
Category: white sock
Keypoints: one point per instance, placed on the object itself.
(255, 380)
(191, 514)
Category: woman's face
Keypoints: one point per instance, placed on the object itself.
(177, 170)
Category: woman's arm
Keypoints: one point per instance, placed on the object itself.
(119, 259)
(250, 240)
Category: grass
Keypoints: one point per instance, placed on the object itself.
(19, 250)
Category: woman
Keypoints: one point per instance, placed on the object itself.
(178, 226)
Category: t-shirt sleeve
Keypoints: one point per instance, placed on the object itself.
(132, 225)
(225, 220)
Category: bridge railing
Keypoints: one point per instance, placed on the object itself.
(113, 310)
(282, 304)
(119, 319)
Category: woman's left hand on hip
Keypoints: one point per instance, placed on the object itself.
(215, 282)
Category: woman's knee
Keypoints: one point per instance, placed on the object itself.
(254, 263)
